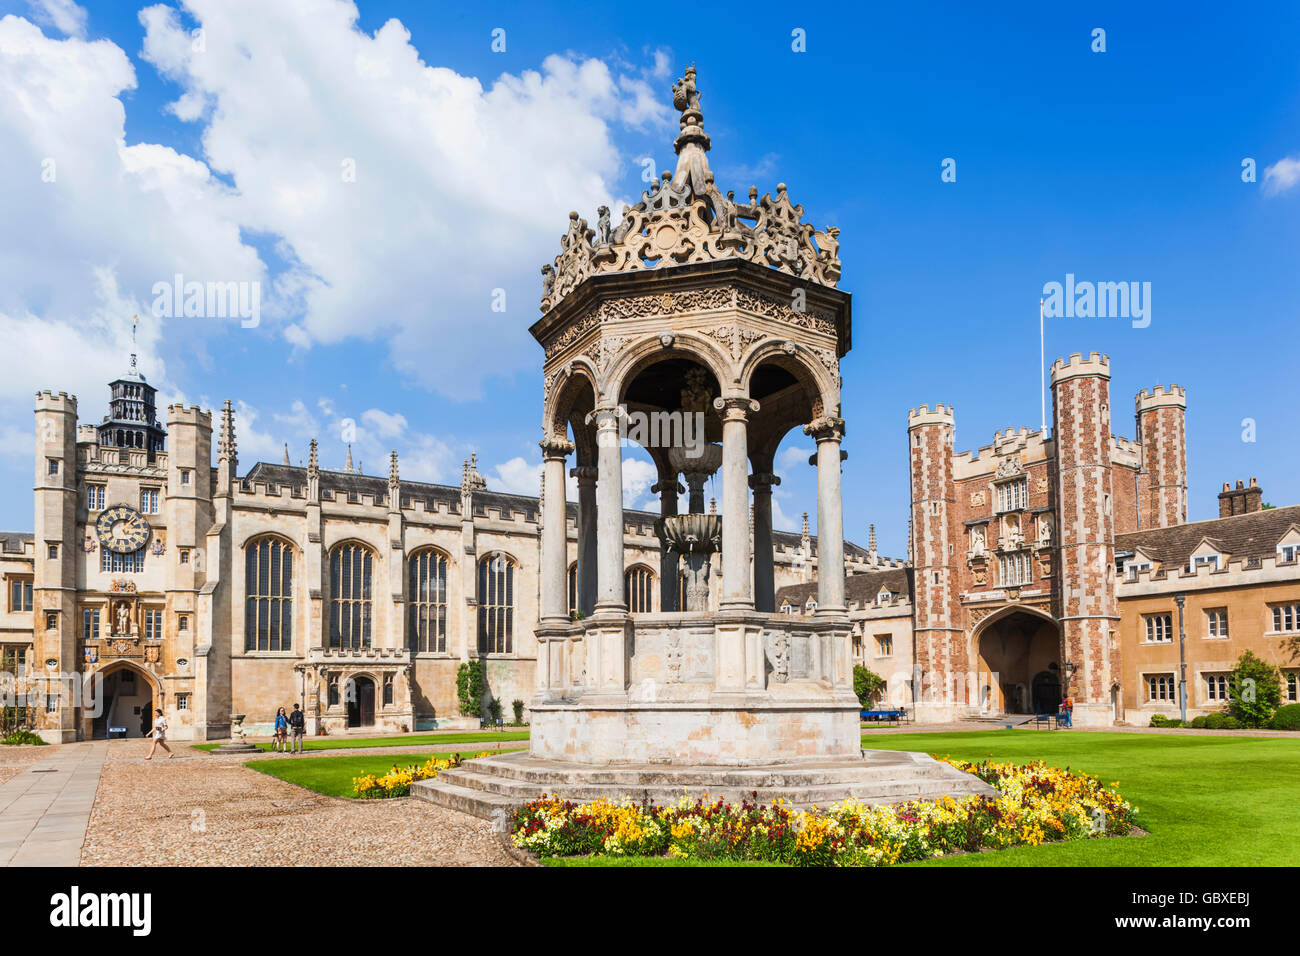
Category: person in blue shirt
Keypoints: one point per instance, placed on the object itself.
(281, 731)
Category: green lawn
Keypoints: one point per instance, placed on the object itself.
(1206, 801)
(333, 775)
(406, 740)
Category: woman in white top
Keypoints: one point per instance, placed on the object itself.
(159, 735)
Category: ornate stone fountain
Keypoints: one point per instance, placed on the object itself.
(696, 304)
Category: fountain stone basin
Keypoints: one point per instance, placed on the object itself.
(696, 537)
(690, 533)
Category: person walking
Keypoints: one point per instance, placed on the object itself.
(159, 735)
(298, 727)
(281, 743)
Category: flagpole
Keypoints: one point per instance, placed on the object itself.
(1042, 369)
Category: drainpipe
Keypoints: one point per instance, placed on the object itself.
(1182, 661)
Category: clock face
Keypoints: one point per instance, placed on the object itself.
(122, 530)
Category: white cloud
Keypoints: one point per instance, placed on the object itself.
(64, 15)
(407, 193)
(1282, 175)
(385, 424)
(91, 223)
(518, 477)
(792, 457)
(638, 476)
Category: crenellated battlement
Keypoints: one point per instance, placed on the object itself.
(191, 415)
(1125, 451)
(941, 415)
(48, 401)
(1236, 572)
(1161, 396)
(1029, 444)
(1096, 364)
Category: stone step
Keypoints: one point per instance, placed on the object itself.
(886, 790)
(532, 771)
(476, 803)
(487, 785)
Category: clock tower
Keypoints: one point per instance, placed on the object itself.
(132, 419)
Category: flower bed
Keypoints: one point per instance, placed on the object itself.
(397, 782)
(1035, 804)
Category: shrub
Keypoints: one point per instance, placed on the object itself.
(1215, 721)
(1160, 720)
(1287, 717)
(494, 710)
(19, 737)
(1200, 722)
(1254, 691)
(518, 707)
(471, 681)
(1232, 723)
(867, 686)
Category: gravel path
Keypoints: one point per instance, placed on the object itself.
(213, 811)
(15, 759)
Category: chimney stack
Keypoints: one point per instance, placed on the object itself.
(1241, 500)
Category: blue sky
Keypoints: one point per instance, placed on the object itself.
(1123, 165)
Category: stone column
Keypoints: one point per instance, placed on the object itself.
(764, 568)
(586, 475)
(555, 565)
(737, 592)
(609, 512)
(668, 489)
(830, 516)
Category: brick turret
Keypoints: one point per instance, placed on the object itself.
(1162, 480)
(930, 438)
(1088, 610)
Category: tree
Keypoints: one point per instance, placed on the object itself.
(867, 686)
(470, 684)
(1255, 690)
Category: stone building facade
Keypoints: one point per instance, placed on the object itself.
(170, 581)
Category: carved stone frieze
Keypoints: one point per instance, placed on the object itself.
(685, 218)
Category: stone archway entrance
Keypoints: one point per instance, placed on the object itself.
(361, 703)
(127, 702)
(1020, 664)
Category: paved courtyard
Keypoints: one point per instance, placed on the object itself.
(104, 805)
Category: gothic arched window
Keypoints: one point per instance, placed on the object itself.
(268, 596)
(496, 605)
(639, 585)
(351, 579)
(573, 587)
(428, 601)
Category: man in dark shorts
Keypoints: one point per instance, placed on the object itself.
(297, 729)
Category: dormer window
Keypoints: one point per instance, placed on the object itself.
(1206, 554)
(1288, 548)
(885, 596)
(1135, 565)
(787, 608)
(810, 606)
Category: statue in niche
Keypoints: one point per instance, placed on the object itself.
(122, 619)
(1044, 531)
(977, 542)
